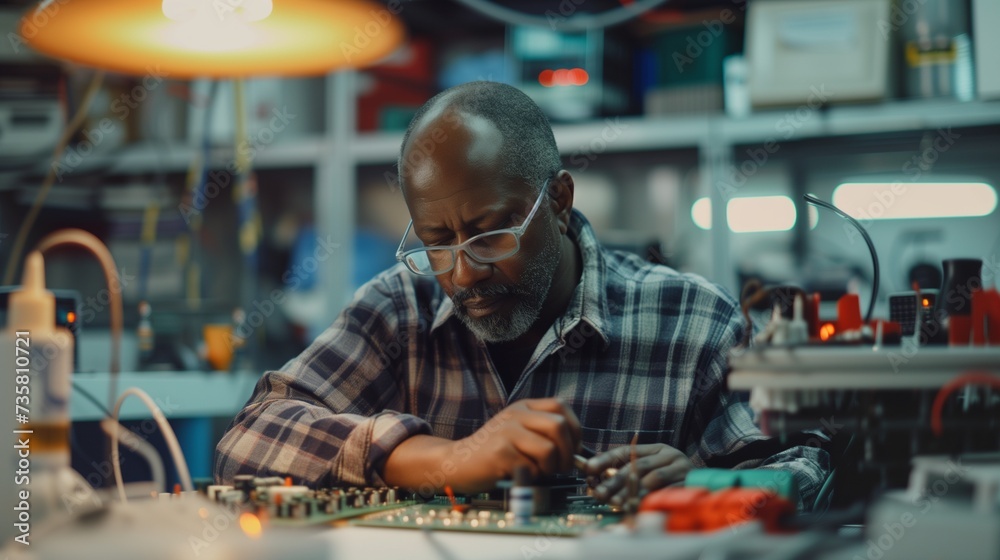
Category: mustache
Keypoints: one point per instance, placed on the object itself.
(485, 292)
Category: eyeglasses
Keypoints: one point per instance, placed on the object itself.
(488, 247)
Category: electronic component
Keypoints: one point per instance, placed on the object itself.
(876, 402)
(442, 517)
(68, 313)
(284, 503)
(948, 500)
(557, 504)
(522, 496)
(911, 308)
(696, 509)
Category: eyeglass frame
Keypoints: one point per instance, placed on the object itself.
(517, 231)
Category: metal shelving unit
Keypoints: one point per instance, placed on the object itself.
(662, 133)
(335, 156)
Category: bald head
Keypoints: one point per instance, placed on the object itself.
(508, 125)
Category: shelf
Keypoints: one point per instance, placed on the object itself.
(153, 157)
(890, 367)
(590, 139)
(628, 134)
(180, 394)
(897, 116)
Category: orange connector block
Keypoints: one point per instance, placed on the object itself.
(698, 510)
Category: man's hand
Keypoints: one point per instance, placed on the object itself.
(540, 434)
(657, 465)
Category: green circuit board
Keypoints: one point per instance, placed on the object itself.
(326, 518)
(444, 518)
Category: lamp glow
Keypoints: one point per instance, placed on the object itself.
(217, 10)
(894, 201)
(183, 39)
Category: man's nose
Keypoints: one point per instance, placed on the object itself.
(468, 271)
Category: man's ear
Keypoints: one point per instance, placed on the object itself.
(561, 190)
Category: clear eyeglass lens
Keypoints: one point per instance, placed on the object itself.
(487, 248)
(418, 262)
(494, 246)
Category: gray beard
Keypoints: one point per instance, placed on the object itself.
(527, 301)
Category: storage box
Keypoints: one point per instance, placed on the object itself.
(986, 19)
(798, 47)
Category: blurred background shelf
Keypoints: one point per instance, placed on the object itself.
(660, 133)
(179, 394)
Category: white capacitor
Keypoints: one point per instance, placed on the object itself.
(286, 493)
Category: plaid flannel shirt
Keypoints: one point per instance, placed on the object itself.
(641, 348)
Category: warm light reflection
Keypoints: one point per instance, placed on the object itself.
(563, 77)
(250, 525)
(893, 201)
(826, 331)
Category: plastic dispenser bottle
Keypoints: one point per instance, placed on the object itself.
(37, 358)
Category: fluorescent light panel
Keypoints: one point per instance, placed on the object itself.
(751, 214)
(897, 201)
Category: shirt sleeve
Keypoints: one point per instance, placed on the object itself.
(327, 417)
(725, 420)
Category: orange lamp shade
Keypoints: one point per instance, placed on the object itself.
(297, 37)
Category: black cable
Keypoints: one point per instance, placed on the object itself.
(90, 397)
(96, 402)
(871, 246)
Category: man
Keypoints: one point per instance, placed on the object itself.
(508, 337)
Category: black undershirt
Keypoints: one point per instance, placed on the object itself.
(510, 363)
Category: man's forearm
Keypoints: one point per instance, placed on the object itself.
(418, 462)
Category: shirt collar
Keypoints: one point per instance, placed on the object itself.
(588, 303)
